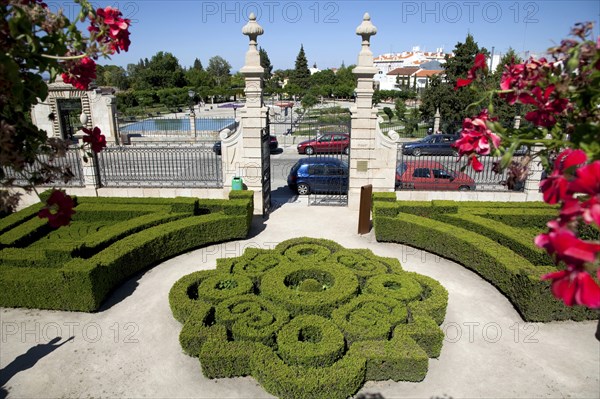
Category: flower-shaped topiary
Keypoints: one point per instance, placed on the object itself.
(310, 319)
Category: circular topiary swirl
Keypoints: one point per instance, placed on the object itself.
(310, 319)
(397, 286)
(310, 341)
(251, 318)
(369, 317)
(222, 286)
(281, 285)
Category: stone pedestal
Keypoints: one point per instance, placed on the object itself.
(371, 162)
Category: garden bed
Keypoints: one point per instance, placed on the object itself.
(493, 239)
(310, 319)
(109, 239)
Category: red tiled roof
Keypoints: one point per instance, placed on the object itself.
(426, 73)
(403, 71)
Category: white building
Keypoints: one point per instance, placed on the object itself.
(390, 61)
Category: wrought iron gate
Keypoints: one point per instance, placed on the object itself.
(266, 169)
(328, 157)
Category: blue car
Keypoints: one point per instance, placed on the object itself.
(435, 144)
(319, 175)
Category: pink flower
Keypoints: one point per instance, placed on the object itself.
(564, 245)
(575, 287)
(472, 74)
(95, 138)
(80, 73)
(474, 162)
(58, 209)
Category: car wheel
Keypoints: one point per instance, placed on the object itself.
(303, 189)
(309, 151)
(417, 152)
(346, 151)
(464, 188)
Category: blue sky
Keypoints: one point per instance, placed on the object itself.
(202, 29)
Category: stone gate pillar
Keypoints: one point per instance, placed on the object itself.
(370, 163)
(253, 119)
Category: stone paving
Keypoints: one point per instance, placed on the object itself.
(130, 347)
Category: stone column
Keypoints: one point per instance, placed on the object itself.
(364, 166)
(91, 173)
(253, 118)
(436, 121)
(517, 122)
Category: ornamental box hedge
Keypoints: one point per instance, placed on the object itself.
(109, 239)
(494, 239)
(310, 319)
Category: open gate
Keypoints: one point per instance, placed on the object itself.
(320, 138)
(265, 139)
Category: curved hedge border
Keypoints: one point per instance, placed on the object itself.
(318, 322)
(476, 236)
(75, 268)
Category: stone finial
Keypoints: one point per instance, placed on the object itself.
(437, 112)
(366, 29)
(252, 29)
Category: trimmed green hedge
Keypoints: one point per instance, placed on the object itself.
(477, 236)
(76, 267)
(310, 319)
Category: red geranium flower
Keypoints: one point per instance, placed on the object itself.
(111, 29)
(80, 73)
(557, 186)
(58, 209)
(565, 246)
(95, 138)
(575, 287)
(472, 74)
(547, 108)
(587, 179)
(476, 138)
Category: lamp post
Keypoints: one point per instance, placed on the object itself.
(191, 94)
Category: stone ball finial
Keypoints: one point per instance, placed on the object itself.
(252, 29)
(366, 28)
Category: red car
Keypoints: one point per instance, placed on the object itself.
(430, 175)
(326, 143)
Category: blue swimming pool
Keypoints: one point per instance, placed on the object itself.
(177, 125)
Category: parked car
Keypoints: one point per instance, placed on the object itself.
(435, 144)
(319, 175)
(430, 175)
(326, 143)
(273, 145)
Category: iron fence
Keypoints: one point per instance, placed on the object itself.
(444, 172)
(169, 126)
(161, 165)
(70, 161)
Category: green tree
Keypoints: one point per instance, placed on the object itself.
(161, 72)
(219, 69)
(440, 92)
(265, 62)
(411, 124)
(112, 75)
(388, 112)
(301, 75)
(198, 65)
(309, 101)
(400, 109)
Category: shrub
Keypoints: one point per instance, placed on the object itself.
(310, 319)
(475, 235)
(76, 267)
